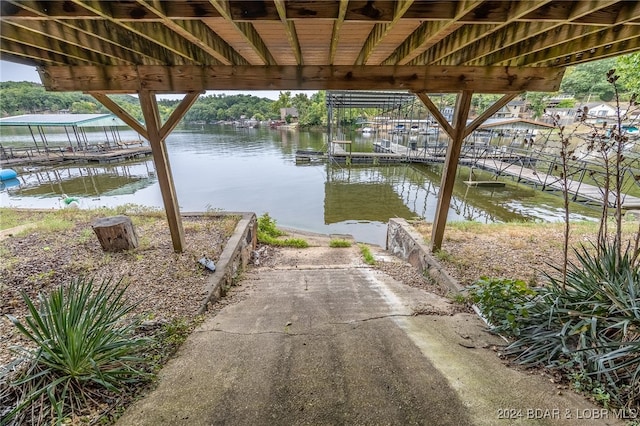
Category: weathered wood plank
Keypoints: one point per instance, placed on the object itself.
(181, 79)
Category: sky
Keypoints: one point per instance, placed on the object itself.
(10, 71)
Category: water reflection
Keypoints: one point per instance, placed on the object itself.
(255, 170)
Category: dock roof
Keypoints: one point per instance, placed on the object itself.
(62, 120)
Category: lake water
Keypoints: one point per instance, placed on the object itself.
(223, 168)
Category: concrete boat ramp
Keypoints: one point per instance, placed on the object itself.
(316, 337)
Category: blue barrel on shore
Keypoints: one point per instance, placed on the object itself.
(7, 174)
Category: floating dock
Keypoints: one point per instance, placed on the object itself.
(580, 191)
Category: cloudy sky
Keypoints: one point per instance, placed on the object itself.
(10, 71)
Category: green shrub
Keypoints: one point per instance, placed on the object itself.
(84, 346)
(502, 302)
(590, 324)
(268, 234)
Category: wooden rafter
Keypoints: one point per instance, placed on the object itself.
(63, 34)
(290, 31)
(153, 32)
(74, 54)
(464, 37)
(606, 51)
(27, 53)
(247, 31)
(110, 37)
(591, 41)
(534, 34)
(337, 26)
(380, 31)
(539, 37)
(428, 34)
(130, 79)
(200, 35)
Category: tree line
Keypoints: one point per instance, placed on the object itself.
(17, 98)
(585, 83)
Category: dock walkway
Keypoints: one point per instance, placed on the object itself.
(96, 155)
(500, 162)
(579, 190)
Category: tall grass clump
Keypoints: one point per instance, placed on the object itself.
(84, 351)
(367, 256)
(268, 233)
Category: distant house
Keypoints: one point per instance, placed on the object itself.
(292, 112)
(513, 109)
(599, 112)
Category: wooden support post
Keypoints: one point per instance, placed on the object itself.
(458, 132)
(463, 105)
(156, 133)
(163, 169)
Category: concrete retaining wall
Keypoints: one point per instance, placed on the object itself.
(406, 243)
(233, 260)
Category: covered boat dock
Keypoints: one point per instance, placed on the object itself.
(75, 139)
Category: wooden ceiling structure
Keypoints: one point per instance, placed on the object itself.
(150, 47)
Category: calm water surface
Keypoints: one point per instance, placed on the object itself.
(255, 170)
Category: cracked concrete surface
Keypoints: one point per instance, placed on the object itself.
(323, 339)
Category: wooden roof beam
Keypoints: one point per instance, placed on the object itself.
(290, 30)
(427, 34)
(29, 55)
(74, 54)
(154, 32)
(335, 33)
(561, 12)
(465, 36)
(247, 31)
(380, 31)
(556, 40)
(131, 45)
(199, 34)
(82, 40)
(612, 49)
(502, 50)
(181, 79)
(592, 41)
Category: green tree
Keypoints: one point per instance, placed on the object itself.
(588, 81)
(83, 107)
(537, 102)
(628, 68)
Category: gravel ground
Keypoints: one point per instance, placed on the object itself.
(62, 247)
(524, 251)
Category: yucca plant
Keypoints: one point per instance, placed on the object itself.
(591, 323)
(84, 347)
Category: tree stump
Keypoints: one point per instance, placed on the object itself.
(115, 233)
